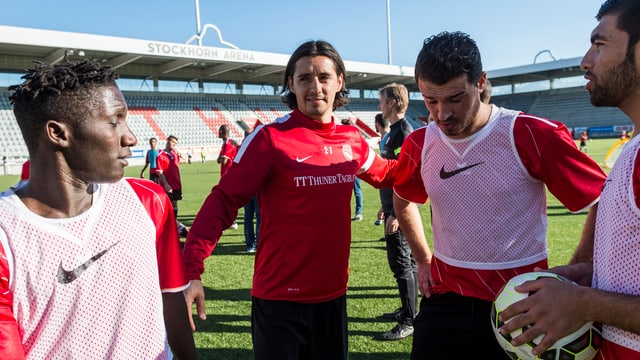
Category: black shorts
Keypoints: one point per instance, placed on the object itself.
(155, 178)
(175, 194)
(286, 330)
(452, 326)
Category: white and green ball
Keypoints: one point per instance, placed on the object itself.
(583, 344)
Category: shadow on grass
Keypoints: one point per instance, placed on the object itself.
(355, 297)
(240, 354)
(187, 219)
(372, 292)
(560, 210)
(230, 354)
(227, 294)
(236, 248)
(370, 288)
(376, 240)
(378, 356)
(237, 236)
(368, 320)
(567, 213)
(224, 324)
(379, 246)
(556, 207)
(375, 244)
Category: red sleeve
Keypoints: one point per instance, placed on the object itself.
(26, 170)
(170, 264)
(162, 161)
(10, 339)
(408, 180)
(220, 208)
(378, 172)
(549, 153)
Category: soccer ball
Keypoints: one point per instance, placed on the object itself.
(583, 344)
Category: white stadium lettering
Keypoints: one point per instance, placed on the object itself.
(199, 51)
(153, 48)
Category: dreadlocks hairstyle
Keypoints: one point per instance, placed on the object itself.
(314, 48)
(62, 92)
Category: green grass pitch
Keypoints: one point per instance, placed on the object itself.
(226, 333)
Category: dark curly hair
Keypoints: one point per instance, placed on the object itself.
(311, 49)
(60, 92)
(446, 56)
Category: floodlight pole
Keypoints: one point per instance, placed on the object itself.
(198, 29)
(388, 30)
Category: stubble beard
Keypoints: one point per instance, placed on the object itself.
(464, 126)
(616, 84)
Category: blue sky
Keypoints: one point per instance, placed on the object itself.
(508, 32)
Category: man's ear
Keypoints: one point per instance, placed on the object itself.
(57, 133)
(482, 82)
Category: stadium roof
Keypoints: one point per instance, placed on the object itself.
(155, 60)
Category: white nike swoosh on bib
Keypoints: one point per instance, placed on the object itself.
(302, 159)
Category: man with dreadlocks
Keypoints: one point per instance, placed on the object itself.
(90, 262)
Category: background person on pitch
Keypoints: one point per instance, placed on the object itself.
(393, 103)
(169, 174)
(251, 212)
(228, 150)
(382, 127)
(150, 160)
(357, 188)
(227, 154)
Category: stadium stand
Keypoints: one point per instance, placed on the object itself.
(522, 102)
(220, 88)
(267, 108)
(417, 114)
(570, 106)
(13, 145)
(195, 118)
